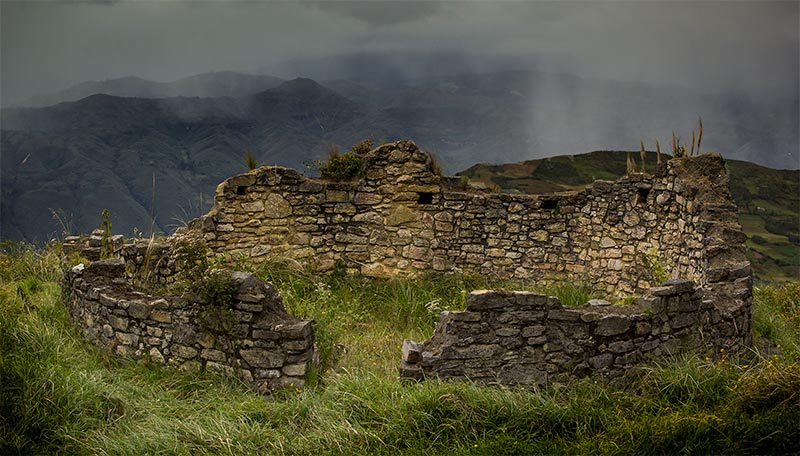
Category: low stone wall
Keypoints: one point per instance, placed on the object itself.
(148, 262)
(527, 338)
(254, 339)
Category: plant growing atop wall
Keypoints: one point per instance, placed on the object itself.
(107, 244)
(215, 294)
(250, 160)
(191, 260)
(362, 147)
(339, 166)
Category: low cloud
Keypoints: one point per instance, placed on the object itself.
(747, 47)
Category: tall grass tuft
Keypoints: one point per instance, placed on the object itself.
(630, 165)
(777, 317)
(643, 156)
(658, 152)
(250, 160)
(700, 134)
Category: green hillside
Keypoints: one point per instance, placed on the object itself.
(768, 199)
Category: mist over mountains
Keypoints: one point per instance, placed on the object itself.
(216, 84)
(152, 153)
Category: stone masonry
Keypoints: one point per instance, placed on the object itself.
(255, 339)
(400, 217)
(528, 338)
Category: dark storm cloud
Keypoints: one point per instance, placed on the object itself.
(749, 47)
(380, 13)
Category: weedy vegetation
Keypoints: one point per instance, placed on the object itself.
(61, 395)
(338, 166)
(250, 160)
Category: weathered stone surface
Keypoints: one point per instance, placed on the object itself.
(262, 358)
(276, 206)
(171, 331)
(502, 338)
(138, 310)
(402, 215)
(612, 325)
(411, 352)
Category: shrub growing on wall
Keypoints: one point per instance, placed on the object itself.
(362, 147)
(216, 292)
(340, 166)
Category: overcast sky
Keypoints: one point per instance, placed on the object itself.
(748, 47)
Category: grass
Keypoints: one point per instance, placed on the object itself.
(60, 395)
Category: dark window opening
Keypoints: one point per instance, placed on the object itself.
(425, 198)
(241, 190)
(549, 204)
(641, 196)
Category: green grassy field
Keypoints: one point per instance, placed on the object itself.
(61, 395)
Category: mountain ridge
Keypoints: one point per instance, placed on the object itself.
(212, 84)
(107, 152)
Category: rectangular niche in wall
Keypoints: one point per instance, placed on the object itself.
(550, 203)
(641, 196)
(425, 198)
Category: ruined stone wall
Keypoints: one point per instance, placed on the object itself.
(528, 338)
(254, 338)
(399, 217)
(149, 263)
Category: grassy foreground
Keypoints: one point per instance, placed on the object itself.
(60, 395)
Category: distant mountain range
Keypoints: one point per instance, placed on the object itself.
(768, 199)
(217, 84)
(153, 153)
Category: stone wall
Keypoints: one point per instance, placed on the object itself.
(149, 263)
(399, 217)
(254, 338)
(525, 338)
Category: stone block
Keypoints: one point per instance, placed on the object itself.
(402, 215)
(612, 325)
(683, 320)
(487, 299)
(533, 331)
(213, 355)
(127, 339)
(261, 358)
(621, 346)
(411, 352)
(118, 323)
(295, 370)
(564, 315)
(183, 351)
(507, 331)
(298, 330)
(138, 310)
(602, 361)
(160, 316)
(156, 356)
